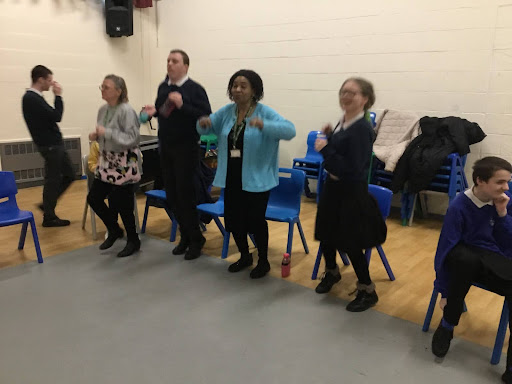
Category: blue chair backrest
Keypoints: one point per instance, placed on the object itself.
(510, 186)
(311, 145)
(383, 197)
(8, 186)
(288, 193)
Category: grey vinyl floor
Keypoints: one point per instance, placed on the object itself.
(88, 317)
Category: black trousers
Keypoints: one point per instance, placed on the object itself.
(467, 265)
(179, 163)
(120, 201)
(356, 256)
(58, 175)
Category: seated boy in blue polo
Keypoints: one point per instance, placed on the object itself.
(475, 246)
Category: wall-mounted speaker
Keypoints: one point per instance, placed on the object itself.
(119, 17)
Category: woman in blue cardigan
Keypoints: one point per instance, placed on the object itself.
(248, 145)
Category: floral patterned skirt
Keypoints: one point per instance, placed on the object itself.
(119, 168)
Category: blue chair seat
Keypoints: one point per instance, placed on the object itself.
(283, 215)
(14, 218)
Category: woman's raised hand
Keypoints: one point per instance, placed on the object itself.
(205, 122)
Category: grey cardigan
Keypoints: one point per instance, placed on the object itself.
(121, 128)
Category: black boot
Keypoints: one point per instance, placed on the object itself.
(132, 246)
(441, 341)
(365, 299)
(194, 250)
(507, 376)
(113, 235)
(181, 248)
(261, 269)
(329, 278)
(244, 262)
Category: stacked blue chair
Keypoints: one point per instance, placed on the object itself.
(383, 197)
(311, 164)
(502, 327)
(449, 179)
(10, 214)
(157, 198)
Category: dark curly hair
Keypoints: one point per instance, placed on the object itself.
(254, 80)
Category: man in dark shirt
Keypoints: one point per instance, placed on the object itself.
(41, 120)
(180, 102)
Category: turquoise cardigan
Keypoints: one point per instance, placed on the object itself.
(260, 167)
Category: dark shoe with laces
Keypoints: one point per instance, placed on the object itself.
(261, 269)
(113, 235)
(363, 301)
(181, 248)
(194, 250)
(507, 376)
(56, 222)
(132, 246)
(328, 280)
(244, 262)
(441, 341)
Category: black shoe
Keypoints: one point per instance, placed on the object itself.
(181, 248)
(507, 376)
(441, 341)
(131, 247)
(260, 270)
(328, 280)
(56, 222)
(244, 262)
(113, 235)
(363, 301)
(194, 251)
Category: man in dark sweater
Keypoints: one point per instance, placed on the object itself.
(180, 102)
(475, 246)
(41, 120)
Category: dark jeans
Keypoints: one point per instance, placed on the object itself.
(467, 265)
(179, 164)
(58, 175)
(120, 201)
(356, 257)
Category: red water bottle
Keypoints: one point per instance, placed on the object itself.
(285, 265)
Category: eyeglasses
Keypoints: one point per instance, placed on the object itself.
(103, 87)
(348, 93)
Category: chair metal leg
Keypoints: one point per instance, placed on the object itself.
(84, 216)
(136, 213)
(145, 218)
(430, 311)
(317, 263)
(202, 226)
(290, 239)
(23, 234)
(303, 238)
(36, 241)
(385, 262)
(500, 335)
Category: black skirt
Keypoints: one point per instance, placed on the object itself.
(348, 217)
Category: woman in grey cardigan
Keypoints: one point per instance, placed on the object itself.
(118, 170)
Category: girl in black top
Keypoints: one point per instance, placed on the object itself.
(348, 218)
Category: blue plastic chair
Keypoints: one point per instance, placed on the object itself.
(157, 198)
(373, 118)
(383, 197)
(311, 164)
(284, 204)
(502, 327)
(10, 214)
(216, 211)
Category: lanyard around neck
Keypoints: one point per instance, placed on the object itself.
(108, 117)
(238, 128)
